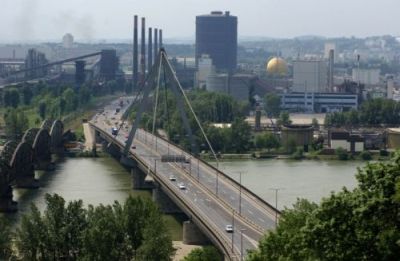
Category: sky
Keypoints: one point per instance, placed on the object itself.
(91, 20)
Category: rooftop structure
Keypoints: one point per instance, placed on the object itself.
(277, 67)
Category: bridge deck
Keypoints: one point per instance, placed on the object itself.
(212, 208)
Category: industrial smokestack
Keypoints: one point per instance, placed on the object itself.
(160, 38)
(331, 69)
(143, 52)
(155, 42)
(135, 53)
(150, 50)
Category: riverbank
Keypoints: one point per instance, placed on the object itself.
(315, 155)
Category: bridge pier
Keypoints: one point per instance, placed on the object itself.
(192, 234)
(139, 179)
(45, 165)
(112, 149)
(27, 179)
(7, 204)
(166, 205)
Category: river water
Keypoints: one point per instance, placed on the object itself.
(94, 180)
(103, 180)
(309, 179)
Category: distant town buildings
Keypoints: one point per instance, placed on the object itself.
(216, 36)
(366, 76)
(68, 41)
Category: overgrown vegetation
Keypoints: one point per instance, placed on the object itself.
(362, 224)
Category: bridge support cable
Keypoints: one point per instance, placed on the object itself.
(182, 111)
(169, 67)
(146, 92)
(181, 98)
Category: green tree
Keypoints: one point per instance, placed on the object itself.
(341, 154)
(315, 123)
(267, 140)
(272, 104)
(284, 118)
(11, 98)
(132, 231)
(16, 123)
(42, 110)
(241, 135)
(207, 253)
(27, 95)
(5, 239)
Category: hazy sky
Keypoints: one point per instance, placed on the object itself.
(32, 20)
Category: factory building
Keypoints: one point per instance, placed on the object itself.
(345, 140)
(301, 135)
(34, 59)
(310, 76)
(205, 68)
(366, 76)
(319, 102)
(108, 64)
(216, 36)
(393, 138)
(237, 85)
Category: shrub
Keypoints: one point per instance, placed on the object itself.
(342, 154)
(366, 155)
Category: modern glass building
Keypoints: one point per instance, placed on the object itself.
(216, 36)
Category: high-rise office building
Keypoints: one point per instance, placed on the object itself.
(216, 36)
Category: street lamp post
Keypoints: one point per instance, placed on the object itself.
(233, 227)
(276, 204)
(241, 243)
(240, 193)
(198, 170)
(216, 184)
(190, 166)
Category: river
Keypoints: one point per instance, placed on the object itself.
(103, 180)
(309, 179)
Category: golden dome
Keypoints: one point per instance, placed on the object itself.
(277, 66)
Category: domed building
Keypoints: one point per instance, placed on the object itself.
(277, 67)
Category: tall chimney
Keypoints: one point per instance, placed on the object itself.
(150, 50)
(135, 53)
(155, 43)
(331, 68)
(160, 37)
(143, 52)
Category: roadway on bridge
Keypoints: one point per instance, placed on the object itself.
(201, 185)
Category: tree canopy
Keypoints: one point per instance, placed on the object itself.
(207, 253)
(132, 231)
